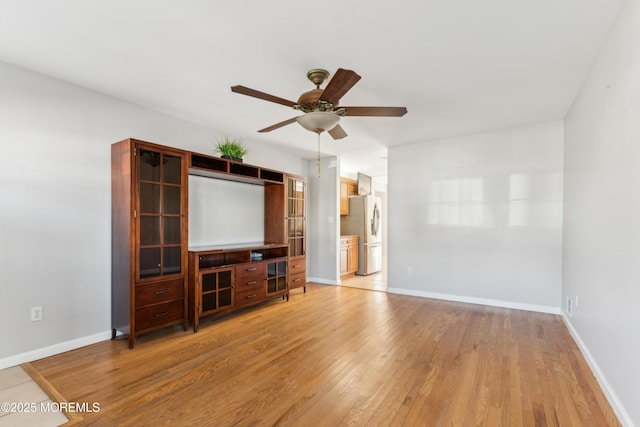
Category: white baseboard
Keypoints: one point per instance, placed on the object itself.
(474, 300)
(323, 281)
(51, 350)
(612, 397)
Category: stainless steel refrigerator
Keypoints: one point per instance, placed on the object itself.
(364, 221)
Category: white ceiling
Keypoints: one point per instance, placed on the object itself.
(459, 66)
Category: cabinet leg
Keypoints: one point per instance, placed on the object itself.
(304, 289)
(113, 334)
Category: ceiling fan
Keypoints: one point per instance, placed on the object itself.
(320, 106)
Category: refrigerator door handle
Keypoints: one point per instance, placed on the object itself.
(375, 220)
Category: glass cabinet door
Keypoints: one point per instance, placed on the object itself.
(276, 276)
(216, 290)
(159, 213)
(296, 216)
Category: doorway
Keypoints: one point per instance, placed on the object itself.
(376, 281)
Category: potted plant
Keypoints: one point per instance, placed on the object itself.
(231, 148)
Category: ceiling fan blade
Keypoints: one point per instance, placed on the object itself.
(278, 125)
(340, 83)
(376, 111)
(337, 132)
(261, 95)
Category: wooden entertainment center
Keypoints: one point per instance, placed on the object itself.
(226, 277)
(157, 280)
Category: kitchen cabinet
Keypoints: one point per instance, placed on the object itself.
(348, 187)
(348, 256)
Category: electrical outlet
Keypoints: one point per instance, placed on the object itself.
(569, 307)
(409, 271)
(36, 314)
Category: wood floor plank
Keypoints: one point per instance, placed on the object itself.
(340, 356)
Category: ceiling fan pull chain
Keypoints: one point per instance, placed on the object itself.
(318, 154)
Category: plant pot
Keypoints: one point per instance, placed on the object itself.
(235, 159)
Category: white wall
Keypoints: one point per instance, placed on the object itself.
(479, 217)
(602, 215)
(55, 205)
(323, 221)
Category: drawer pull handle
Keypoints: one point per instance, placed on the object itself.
(297, 280)
(251, 296)
(252, 282)
(297, 266)
(164, 313)
(162, 292)
(251, 269)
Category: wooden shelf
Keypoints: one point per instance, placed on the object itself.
(226, 255)
(213, 164)
(271, 176)
(216, 167)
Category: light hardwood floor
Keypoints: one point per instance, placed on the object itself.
(341, 356)
(372, 282)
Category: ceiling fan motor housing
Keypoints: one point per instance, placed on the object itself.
(310, 101)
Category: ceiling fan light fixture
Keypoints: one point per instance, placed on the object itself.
(320, 106)
(318, 121)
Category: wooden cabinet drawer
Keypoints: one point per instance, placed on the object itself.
(250, 276)
(348, 241)
(297, 280)
(159, 292)
(297, 266)
(250, 271)
(156, 315)
(249, 283)
(249, 297)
